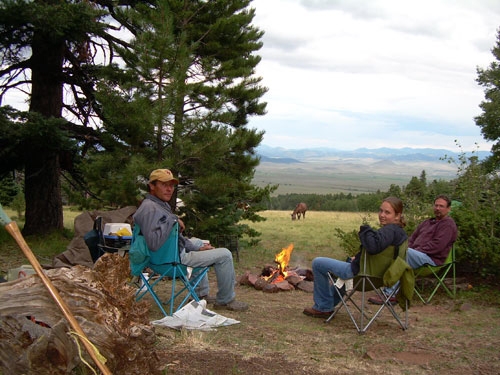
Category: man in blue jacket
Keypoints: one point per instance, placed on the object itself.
(156, 219)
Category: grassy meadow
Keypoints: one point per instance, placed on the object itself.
(312, 237)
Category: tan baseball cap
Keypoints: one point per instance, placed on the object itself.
(162, 175)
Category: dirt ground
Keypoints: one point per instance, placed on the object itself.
(447, 336)
(460, 335)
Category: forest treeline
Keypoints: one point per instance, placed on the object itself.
(417, 189)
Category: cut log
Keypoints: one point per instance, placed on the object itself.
(35, 338)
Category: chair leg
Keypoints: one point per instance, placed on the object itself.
(189, 285)
(364, 321)
(149, 288)
(439, 276)
(177, 275)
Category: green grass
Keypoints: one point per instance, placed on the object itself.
(44, 247)
(311, 237)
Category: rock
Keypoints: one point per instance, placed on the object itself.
(260, 284)
(270, 288)
(306, 286)
(285, 285)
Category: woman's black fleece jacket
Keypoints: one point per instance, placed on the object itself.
(375, 241)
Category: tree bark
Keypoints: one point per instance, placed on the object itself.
(44, 209)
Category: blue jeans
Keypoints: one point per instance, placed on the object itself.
(326, 297)
(415, 259)
(222, 261)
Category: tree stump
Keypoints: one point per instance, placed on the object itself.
(35, 337)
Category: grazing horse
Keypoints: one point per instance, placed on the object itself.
(300, 209)
(243, 206)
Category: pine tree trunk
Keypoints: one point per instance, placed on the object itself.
(44, 210)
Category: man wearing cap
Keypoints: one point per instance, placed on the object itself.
(156, 219)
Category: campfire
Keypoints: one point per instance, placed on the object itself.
(274, 275)
(274, 278)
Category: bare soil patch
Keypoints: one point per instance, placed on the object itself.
(447, 336)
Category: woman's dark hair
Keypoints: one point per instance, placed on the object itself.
(397, 205)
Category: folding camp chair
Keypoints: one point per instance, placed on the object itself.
(437, 275)
(370, 278)
(165, 264)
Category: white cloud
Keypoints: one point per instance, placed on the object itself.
(354, 73)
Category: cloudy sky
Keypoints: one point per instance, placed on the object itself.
(374, 73)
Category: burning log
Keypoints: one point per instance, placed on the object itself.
(273, 279)
(36, 338)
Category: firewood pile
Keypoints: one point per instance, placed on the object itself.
(35, 337)
(271, 280)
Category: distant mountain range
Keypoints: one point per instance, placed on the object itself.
(288, 156)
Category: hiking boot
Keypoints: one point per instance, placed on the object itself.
(232, 306)
(378, 301)
(309, 311)
(209, 299)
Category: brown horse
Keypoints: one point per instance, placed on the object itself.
(300, 209)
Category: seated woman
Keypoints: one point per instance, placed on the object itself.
(392, 222)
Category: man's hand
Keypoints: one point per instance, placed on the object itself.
(206, 247)
(182, 226)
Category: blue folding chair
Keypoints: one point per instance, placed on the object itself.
(165, 263)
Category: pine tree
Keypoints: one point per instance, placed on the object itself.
(49, 49)
(193, 67)
(489, 120)
(173, 89)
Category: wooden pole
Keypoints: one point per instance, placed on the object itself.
(14, 231)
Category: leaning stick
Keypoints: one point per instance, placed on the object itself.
(13, 229)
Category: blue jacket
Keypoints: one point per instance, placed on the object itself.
(156, 219)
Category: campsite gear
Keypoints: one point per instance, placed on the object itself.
(400, 271)
(92, 239)
(115, 237)
(165, 263)
(13, 229)
(370, 278)
(77, 251)
(117, 229)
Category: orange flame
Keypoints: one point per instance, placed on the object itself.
(283, 258)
